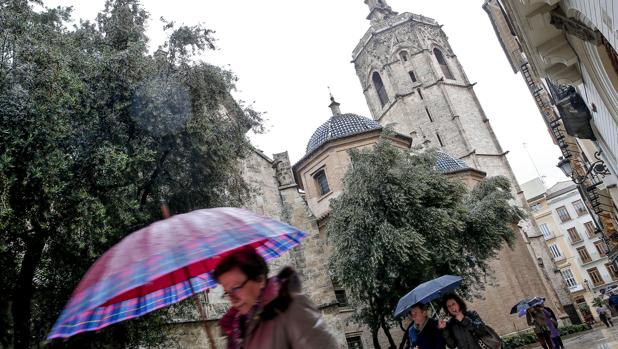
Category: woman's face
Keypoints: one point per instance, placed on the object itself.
(453, 307)
(241, 292)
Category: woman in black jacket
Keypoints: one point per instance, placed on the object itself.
(465, 327)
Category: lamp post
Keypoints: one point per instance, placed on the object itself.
(597, 168)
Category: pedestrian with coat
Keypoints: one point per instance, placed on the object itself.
(537, 317)
(465, 329)
(424, 333)
(605, 315)
(267, 313)
(552, 324)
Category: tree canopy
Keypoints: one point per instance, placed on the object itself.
(399, 222)
(94, 132)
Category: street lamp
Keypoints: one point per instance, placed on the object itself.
(596, 168)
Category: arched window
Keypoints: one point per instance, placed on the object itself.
(445, 70)
(403, 55)
(379, 85)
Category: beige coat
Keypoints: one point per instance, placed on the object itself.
(300, 327)
(288, 320)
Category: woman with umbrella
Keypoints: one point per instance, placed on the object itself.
(267, 313)
(465, 329)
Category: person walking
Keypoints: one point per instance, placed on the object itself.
(423, 333)
(536, 316)
(465, 329)
(552, 325)
(267, 313)
(605, 316)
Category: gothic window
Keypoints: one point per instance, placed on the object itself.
(403, 55)
(412, 76)
(379, 85)
(442, 62)
(322, 182)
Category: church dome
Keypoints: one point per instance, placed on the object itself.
(447, 163)
(340, 126)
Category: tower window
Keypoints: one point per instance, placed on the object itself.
(420, 94)
(428, 114)
(379, 85)
(442, 62)
(412, 76)
(322, 182)
(403, 55)
(439, 139)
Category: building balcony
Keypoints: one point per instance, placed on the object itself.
(576, 288)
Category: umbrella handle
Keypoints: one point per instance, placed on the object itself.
(202, 311)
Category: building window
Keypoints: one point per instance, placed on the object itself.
(354, 342)
(545, 230)
(428, 114)
(403, 55)
(579, 207)
(590, 229)
(412, 76)
(439, 139)
(342, 298)
(536, 207)
(379, 86)
(601, 247)
(595, 276)
(574, 235)
(613, 272)
(563, 214)
(420, 94)
(584, 255)
(568, 277)
(442, 62)
(322, 182)
(555, 251)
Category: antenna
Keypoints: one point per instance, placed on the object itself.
(533, 163)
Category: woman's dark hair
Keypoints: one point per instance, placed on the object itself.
(457, 299)
(247, 260)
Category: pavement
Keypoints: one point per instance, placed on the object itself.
(598, 338)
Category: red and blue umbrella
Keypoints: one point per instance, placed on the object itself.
(167, 262)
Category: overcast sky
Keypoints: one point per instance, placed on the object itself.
(286, 52)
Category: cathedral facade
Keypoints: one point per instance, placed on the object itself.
(413, 82)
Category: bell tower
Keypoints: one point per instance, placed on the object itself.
(413, 81)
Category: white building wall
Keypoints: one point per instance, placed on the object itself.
(577, 222)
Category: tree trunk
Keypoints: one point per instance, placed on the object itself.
(387, 332)
(374, 336)
(22, 297)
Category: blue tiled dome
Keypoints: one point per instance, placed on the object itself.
(446, 163)
(339, 126)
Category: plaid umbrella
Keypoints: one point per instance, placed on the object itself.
(165, 263)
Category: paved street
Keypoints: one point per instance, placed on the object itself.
(599, 338)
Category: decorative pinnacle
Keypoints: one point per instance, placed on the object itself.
(334, 106)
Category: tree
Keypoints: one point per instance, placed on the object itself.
(399, 222)
(95, 132)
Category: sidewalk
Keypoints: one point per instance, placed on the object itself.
(598, 338)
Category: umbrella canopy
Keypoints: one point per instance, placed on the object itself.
(426, 292)
(523, 305)
(165, 263)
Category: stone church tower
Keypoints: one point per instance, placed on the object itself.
(413, 81)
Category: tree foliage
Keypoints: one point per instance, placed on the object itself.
(94, 132)
(399, 222)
